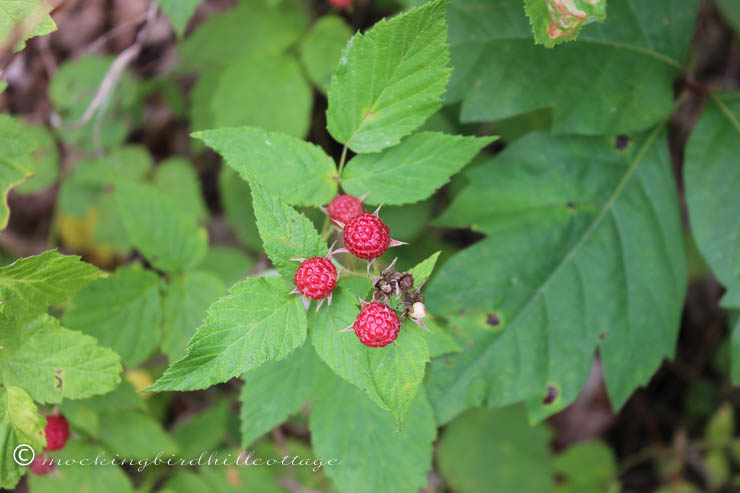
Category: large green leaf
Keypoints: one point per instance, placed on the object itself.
(285, 233)
(24, 19)
(616, 79)
(412, 170)
(585, 251)
(78, 478)
(16, 146)
(274, 391)
(322, 47)
(263, 90)
(179, 12)
(29, 285)
(390, 80)
(712, 181)
(256, 322)
(389, 375)
(19, 424)
(185, 304)
(52, 363)
(122, 312)
(253, 26)
(158, 227)
(380, 458)
(298, 172)
(556, 21)
(495, 450)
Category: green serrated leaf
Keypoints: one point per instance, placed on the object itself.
(264, 90)
(30, 285)
(423, 270)
(185, 303)
(389, 375)
(495, 447)
(274, 391)
(52, 363)
(712, 181)
(176, 178)
(322, 47)
(24, 19)
(256, 322)
(179, 12)
(122, 312)
(285, 233)
(616, 79)
(20, 423)
(411, 171)
(558, 21)
(390, 80)
(298, 172)
(77, 478)
(392, 461)
(614, 275)
(16, 146)
(169, 238)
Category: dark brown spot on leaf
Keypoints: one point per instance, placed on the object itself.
(552, 394)
(621, 142)
(492, 319)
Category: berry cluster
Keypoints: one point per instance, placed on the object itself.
(366, 237)
(57, 433)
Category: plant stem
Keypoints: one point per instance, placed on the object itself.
(342, 160)
(325, 231)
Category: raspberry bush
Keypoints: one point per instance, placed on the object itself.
(291, 228)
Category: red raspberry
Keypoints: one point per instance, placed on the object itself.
(344, 208)
(366, 236)
(38, 466)
(340, 4)
(316, 277)
(377, 325)
(57, 432)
